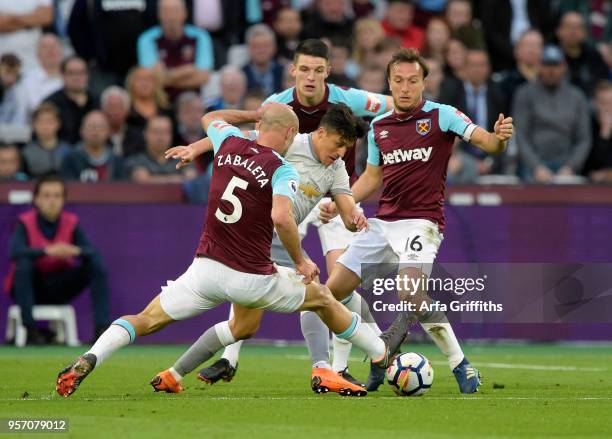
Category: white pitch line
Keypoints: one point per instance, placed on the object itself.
(322, 398)
(494, 365)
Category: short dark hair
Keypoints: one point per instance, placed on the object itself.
(409, 56)
(10, 60)
(50, 178)
(312, 47)
(68, 60)
(45, 107)
(340, 119)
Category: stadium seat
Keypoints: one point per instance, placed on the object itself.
(62, 320)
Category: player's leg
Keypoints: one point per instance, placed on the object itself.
(243, 324)
(181, 299)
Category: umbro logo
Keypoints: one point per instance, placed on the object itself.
(384, 134)
(256, 151)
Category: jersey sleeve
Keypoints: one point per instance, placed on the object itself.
(373, 149)
(456, 122)
(361, 102)
(147, 48)
(341, 184)
(205, 56)
(285, 181)
(219, 130)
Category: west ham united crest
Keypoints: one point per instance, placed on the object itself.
(423, 126)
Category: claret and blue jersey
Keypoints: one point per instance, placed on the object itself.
(238, 230)
(361, 102)
(413, 149)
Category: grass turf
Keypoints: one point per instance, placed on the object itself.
(528, 391)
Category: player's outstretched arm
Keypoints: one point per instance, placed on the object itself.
(232, 117)
(368, 183)
(497, 141)
(352, 216)
(284, 222)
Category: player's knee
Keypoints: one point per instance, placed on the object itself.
(322, 297)
(243, 330)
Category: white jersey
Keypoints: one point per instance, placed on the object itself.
(316, 180)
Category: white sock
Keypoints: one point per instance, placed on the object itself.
(342, 351)
(114, 338)
(321, 365)
(444, 337)
(355, 303)
(177, 376)
(363, 337)
(232, 352)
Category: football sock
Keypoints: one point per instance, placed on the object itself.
(120, 333)
(439, 329)
(232, 352)
(316, 335)
(204, 348)
(364, 337)
(342, 351)
(342, 348)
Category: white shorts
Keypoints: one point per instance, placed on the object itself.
(208, 283)
(409, 243)
(333, 235)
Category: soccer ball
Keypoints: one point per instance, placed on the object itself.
(410, 374)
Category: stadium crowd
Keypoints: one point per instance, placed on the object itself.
(97, 90)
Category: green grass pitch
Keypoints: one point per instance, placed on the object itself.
(528, 391)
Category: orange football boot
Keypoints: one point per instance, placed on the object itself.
(326, 380)
(165, 382)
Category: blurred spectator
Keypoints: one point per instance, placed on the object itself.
(253, 100)
(426, 10)
(398, 24)
(599, 164)
(368, 34)
(551, 117)
(233, 84)
(182, 54)
(46, 79)
(373, 79)
(384, 51)
(462, 168)
(93, 159)
(287, 26)
(53, 260)
(437, 36)
(125, 139)
(147, 96)
(528, 56)
(339, 54)
(434, 79)
(504, 21)
(44, 154)
(20, 27)
(481, 100)
(13, 98)
(456, 54)
(189, 113)
(460, 17)
(262, 71)
(288, 79)
(104, 33)
(74, 100)
(596, 13)
(586, 67)
(152, 166)
(329, 19)
(10, 163)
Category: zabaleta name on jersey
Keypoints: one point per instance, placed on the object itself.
(246, 163)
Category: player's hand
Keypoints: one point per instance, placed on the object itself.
(542, 174)
(308, 269)
(185, 154)
(327, 212)
(62, 250)
(503, 128)
(358, 219)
